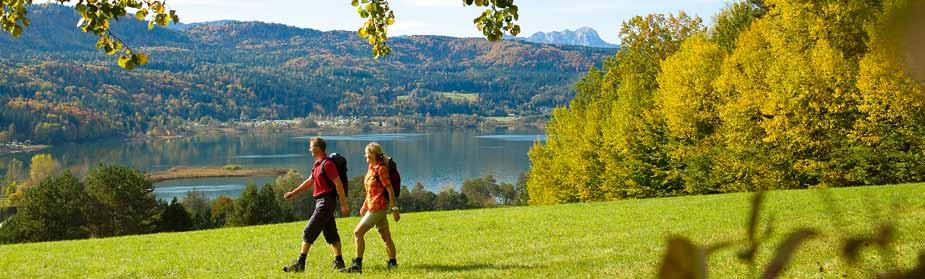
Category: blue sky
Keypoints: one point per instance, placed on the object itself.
(442, 17)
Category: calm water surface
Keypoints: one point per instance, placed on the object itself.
(437, 159)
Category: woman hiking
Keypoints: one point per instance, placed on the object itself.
(380, 200)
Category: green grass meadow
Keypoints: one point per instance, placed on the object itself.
(460, 96)
(622, 239)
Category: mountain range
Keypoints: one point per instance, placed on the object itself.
(585, 36)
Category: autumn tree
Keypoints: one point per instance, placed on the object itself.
(687, 103)
(41, 166)
(776, 95)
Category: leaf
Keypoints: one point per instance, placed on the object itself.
(140, 59)
(126, 62)
(354, 3)
(785, 251)
(161, 19)
(102, 41)
(17, 30)
(150, 25)
(852, 248)
(919, 270)
(718, 246)
(141, 14)
(748, 254)
(684, 260)
(113, 47)
(159, 7)
(757, 199)
(885, 235)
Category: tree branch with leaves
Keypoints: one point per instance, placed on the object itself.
(499, 18)
(95, 17)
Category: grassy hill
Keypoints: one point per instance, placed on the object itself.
(623, 239)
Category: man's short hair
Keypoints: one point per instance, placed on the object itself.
(319, 142)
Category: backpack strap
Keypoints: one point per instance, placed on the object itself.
(328, 180)
(376, 175)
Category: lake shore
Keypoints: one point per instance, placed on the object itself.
(182, 172)
(10, 148)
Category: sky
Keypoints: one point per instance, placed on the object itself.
(442, 17)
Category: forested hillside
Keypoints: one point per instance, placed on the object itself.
(54, 86)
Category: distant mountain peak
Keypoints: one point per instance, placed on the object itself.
(184, 26)
(584, 36)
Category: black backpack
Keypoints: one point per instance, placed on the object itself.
(394, 177)
(341, 163)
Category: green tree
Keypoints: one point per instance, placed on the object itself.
(51, 211)
(418, 199)
(450, 199)
(198, 207)
(522, 193)
(245, 208)
(300, 207)
(122, 203)
(222, 210)
(269, 207)
(356, 194)
(480, 191)
(256, 208)
(505, 193)
(14, 172)
(175, 218)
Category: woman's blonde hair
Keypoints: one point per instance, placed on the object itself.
(375, 149)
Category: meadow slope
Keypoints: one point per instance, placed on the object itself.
(622, 239)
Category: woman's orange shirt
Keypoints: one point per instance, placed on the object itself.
(376, 194)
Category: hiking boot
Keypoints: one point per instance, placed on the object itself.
(391, 265)
(338, 264)
(297, 266)
(355, 267)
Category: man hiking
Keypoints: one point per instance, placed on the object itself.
(328, 189)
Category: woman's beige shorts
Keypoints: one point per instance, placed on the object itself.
(379, 219)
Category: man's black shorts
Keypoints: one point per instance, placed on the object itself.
(322, 220)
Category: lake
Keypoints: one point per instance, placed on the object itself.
(437, 159)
